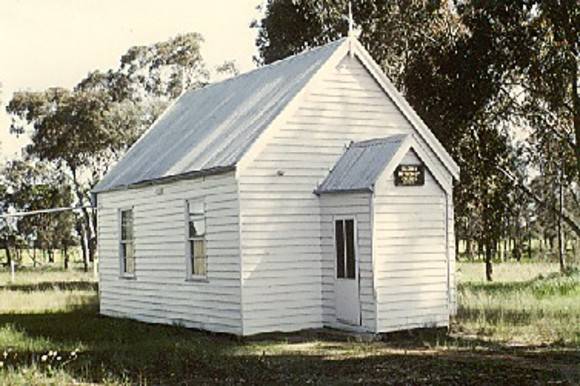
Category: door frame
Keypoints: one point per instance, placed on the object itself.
(336, 218)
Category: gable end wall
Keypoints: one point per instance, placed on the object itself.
(281, 236)
(412, 258)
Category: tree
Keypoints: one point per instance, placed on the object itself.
(30, 186)
(6, 230)
(473, 70)
(161, 70)
(86, 129)
(539, 62)
(448, 66)
(228, 68)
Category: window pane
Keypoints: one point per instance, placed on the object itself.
(129, 265)
(339, 236)
(200, 267)
(196, 227)
(195, 207)
(350, 257)
(199, 257)
(191, 229)
(128, 257)
(126, 225)
(199, 248)
(129, 250)
(191, 256)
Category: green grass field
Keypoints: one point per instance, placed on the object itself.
(524, 328)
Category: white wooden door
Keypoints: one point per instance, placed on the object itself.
(346, 285)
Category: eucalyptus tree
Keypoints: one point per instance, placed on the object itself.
(86, 129)
(449, 68)
(29, 186)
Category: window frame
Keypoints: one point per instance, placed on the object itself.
(190, 275)
(344, 219)
(122, 257)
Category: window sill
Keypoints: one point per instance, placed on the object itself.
(128, 277)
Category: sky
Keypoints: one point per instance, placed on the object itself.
(47, 43)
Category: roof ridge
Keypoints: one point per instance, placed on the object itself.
(307, 51)
(214, 126)
(376, 141)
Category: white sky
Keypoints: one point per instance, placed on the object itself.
(45, 43)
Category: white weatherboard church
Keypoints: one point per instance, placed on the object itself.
(304, 194)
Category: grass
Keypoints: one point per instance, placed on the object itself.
(521, 329)
(45, 290)
(543, 310)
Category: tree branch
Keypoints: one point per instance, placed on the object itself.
(567, 217)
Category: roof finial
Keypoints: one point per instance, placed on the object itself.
(350, 21)
(351, 32)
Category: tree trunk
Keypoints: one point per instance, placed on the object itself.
(529, 242)
(65, 257)
(457, 248)
(576, 106)
(84, 250)
(88, 247)
(8, 255)
(93, 245)
(561, 243)
(505, 249)
(82, 241)
(488, 262)
(468, 248)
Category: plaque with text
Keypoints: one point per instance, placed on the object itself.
(410, 175)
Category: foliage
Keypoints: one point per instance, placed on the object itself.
(161, 70)
(85, 130)
(468, 69)
(31, 186)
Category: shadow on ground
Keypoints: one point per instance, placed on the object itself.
(137, 353)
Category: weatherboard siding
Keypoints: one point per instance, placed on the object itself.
(452, 255)
(410, 244)
(159, 293)
(281, 217)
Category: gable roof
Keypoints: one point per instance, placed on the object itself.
(361, 164)
(210, 129)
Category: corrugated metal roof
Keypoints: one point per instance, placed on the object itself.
(361, 164)
(211, 128)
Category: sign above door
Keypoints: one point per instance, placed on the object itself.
(410, 175)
